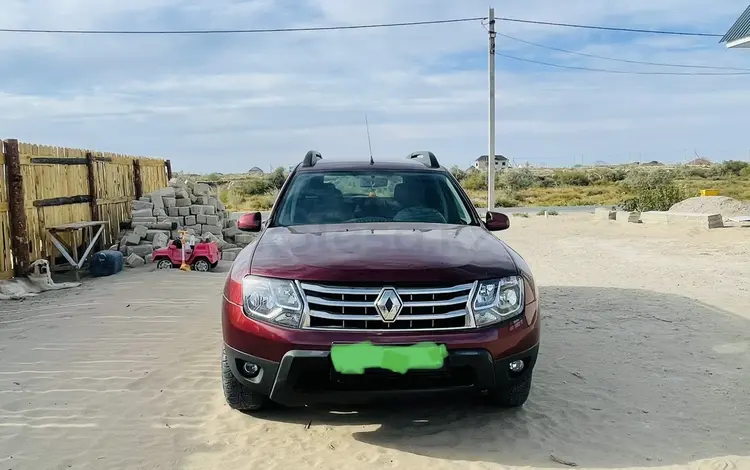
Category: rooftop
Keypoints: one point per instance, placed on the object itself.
(739, 34)
(484, 158)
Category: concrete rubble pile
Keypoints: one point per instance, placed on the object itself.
(159, 217)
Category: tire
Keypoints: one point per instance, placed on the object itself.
(213, 265)
(201, 265)
(164, 264)
(238, 396)
(514, 396)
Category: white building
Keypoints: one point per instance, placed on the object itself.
(500, 163)
(738, 35)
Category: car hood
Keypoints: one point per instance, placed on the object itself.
(382, 253)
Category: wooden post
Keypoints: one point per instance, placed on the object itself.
(19, 237)
(137, 178)
(168, 164)
(90, 165)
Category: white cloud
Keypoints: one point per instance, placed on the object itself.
(227, 103)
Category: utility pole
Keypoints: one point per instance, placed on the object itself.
(491, 153)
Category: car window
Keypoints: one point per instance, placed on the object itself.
(371, 196)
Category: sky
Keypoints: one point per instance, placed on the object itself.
(226, 103)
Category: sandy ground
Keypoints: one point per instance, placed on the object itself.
(645, 362)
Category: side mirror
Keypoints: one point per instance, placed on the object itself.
(250, 222)
(496, 221)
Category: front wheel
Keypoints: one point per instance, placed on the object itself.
(238, 396)
(514, 395)
(164, 264)
(202, 266)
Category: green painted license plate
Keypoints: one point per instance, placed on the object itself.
(355, 358)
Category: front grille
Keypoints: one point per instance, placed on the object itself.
(353, 308)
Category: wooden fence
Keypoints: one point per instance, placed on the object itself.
(43, 186)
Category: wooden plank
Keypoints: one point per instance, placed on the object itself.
(3, 207)
(62, 201)
(118, 200)
(57, 161)
(91, 174)
(19, 235)
(77, 225)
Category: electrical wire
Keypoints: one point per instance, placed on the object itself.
(610, 28)
(350, 27)
(241, 31)
(594, 56)
(621, 72)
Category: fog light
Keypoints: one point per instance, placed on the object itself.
(516, 366)
(250, 369)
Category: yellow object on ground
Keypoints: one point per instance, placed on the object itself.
(709, 192)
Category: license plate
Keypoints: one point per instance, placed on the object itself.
(355, 358)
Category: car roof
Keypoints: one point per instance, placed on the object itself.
(365, 165)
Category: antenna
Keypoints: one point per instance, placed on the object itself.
(369, 142)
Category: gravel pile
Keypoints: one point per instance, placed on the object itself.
(726, 206)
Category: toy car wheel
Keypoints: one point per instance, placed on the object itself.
(201, 266)
(164, 264)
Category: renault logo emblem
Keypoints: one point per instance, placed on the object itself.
(388, 304)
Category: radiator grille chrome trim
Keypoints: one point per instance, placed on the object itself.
(344, 308)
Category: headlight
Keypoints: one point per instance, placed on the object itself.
(272, 300)
(498, 300)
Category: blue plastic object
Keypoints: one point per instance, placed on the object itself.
(106, 263)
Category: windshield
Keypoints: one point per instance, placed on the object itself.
(372, 196)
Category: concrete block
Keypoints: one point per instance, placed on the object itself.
(140, 250)
(141, 205)
(220, 206)
(201, 189)
(228, 256)
(159, 212)
(169, 201)
(202, 200)
(209, 210)
(231, 232)
(212, 201)
(164, 192)
(161, 241)
(200, 218)
(625, 217)
(683, 219)
(145, 198)
(214, 229)
(212, 220)
(134, 261)
(140, 230)
(157, 200)
(181, 193)
(196, 229)
(183, 202)
(183, 211)
(604, 214)
(131, 239)
(173, 211)
(142, 213)
(193, 198)
(190, 220)
(149, 259)
(152, 233)
(196, 209)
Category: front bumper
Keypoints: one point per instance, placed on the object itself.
(306, 377)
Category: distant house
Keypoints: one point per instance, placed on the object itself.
(738, 35)
(500, 162)
(255, 171)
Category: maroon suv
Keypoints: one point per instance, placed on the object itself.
(388, 253)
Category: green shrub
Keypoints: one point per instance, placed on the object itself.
(514, 180)
(571, 178)
(458, 173)
(276, 179)
(745, 172)
(256, 186)
(475, 181)
(651, 191)
(506, 201)
(549, 212)
(733, 167)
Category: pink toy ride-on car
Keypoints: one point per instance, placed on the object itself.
(203, 257)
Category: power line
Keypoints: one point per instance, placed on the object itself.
(241, 31)
(350, 27)
(621, 72)
(611, 28)
(660, 64)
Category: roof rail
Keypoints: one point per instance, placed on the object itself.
(427, 158)
(311, 158)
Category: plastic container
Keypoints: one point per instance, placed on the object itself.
(106, 263)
